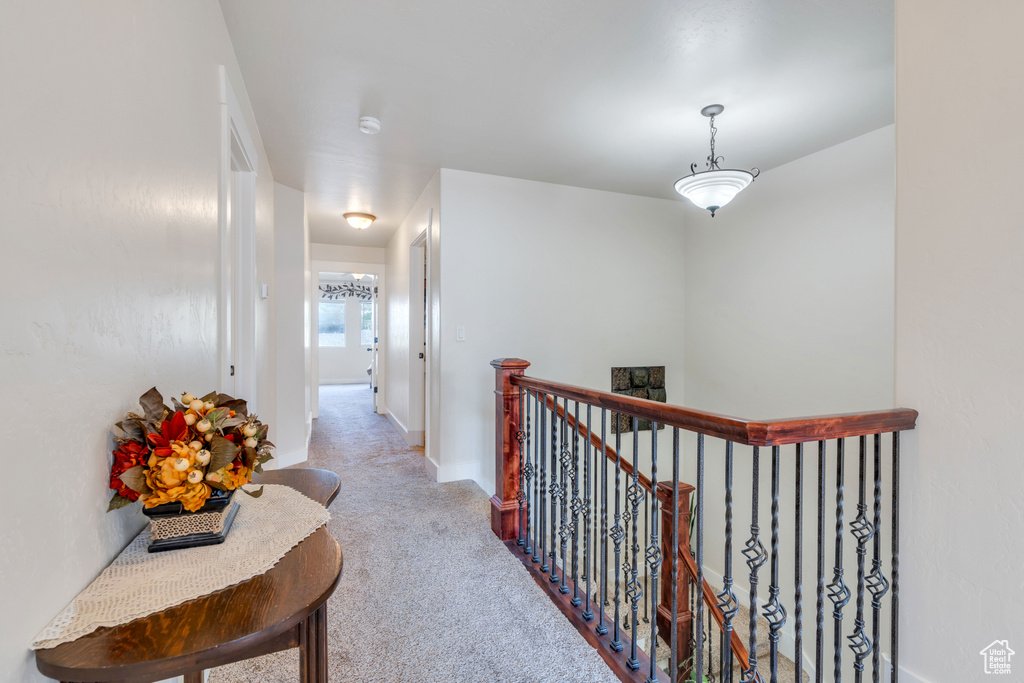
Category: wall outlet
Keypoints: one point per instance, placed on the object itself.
(460, 334)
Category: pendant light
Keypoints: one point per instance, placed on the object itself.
(714, 188)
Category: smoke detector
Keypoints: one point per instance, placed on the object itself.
(369, 125)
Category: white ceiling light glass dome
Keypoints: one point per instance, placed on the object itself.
(714, 188)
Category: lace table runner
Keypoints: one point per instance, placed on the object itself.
(138, 583)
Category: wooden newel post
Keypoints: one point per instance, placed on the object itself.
(504, 505)
(684, 618)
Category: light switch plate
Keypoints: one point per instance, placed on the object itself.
(264, 291)
(460, 334)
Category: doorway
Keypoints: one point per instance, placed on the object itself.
(236, 218)
(420, 347)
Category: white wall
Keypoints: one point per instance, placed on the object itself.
(346, 364)
(959, 331)
(398, 310)
(292, 297)
(338, 252)
(789, 289)
(575, 281)
(111, 138)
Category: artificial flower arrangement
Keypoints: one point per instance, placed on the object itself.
(185, 454)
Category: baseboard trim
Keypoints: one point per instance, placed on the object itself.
(463, 471)
(431, 467)
(290, 458)
(350, 380)
(413, 438)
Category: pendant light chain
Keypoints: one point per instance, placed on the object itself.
(712, 160)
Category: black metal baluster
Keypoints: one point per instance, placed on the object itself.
(727, 598)
(521, 540)
(633, 590)
(653, 555)
(756, 556)
(862, 531)
(617, 532)
(647, 575)
(563, 492)
(895, 598)
(543, 495)
(876, 582)
(601, 628)
(587, 516)
(537, 439)
(698, 651)
(553, 553)
(575, 506)
(711, 648)
(819, 637)
(838, 593)
(674, 633)
(527, 478)
(774, 612)
(798, 588)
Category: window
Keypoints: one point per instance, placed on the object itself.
(366, 318)
(332, 323)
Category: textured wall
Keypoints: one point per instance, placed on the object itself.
(110, 131)
(960, 331)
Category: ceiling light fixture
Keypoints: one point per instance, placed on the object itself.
(360, 221)
(357, 276)
(714, 188)
(369, 125)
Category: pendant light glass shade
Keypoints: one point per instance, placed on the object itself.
(712, 190)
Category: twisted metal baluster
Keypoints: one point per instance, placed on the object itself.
(838, 593)
(862, 531)
(877, 584)
(674, 550)
(819, 637)
(601, 628)
(633, 590)
(587, 515)
(537, 439)
(555, 490)
(774, 612)
(654, 554)
(520, 495)
(756, 556)
(617, 532)
(575, 506)
(647, 575)
(527, 477)
(895, 599)
(563, 493)
(542, 442)
(798, 588)
(698, 662)
(727, 601)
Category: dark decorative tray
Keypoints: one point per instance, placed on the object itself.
(195, 540)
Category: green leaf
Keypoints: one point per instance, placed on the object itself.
(217, 416)
(118, 502)
(222, 452)
(255, 494)
(217, 485)
(152, 403)
(267, 445)
(135, 479)
(258, 468)
(264, 457)
(261, 433)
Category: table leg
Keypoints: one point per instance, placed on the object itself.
(194, 677)
(313, 647)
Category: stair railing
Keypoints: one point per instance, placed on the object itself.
(597, 529)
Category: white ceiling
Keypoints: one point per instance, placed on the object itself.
(604, 94)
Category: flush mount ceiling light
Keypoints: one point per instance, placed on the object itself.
(714, 188)
(360, 221)
(369, 125)
(357, 276)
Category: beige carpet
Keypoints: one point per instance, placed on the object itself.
(427, 592)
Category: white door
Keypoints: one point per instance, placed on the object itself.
(374, 356)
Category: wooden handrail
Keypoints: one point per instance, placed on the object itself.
(747, 432)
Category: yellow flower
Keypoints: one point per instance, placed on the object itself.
(234, 478)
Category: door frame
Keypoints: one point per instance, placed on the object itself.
(419, 338)
(236, 218)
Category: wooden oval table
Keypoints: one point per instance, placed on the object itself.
(283, 608)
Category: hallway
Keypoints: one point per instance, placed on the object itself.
(427, 592)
